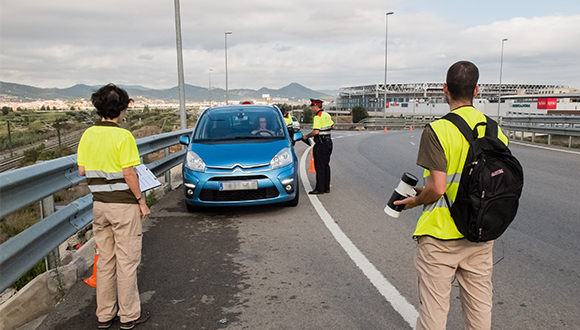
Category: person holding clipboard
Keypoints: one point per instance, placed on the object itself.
(107, 156)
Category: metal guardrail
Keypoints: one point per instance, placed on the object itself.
(27, 185)
(549, 125)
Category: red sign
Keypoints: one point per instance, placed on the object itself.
(547, 103)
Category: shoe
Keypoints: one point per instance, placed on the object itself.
(131, 324)
(315, 192)
(327, 191)
(108, 324)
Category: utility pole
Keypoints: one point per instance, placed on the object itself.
(9, 139)
(180, 75)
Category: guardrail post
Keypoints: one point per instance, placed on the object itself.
(549, 139)
(533, 137)
(52, 260)
(570, 141)
(168, 173)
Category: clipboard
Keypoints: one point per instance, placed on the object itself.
(146, 178)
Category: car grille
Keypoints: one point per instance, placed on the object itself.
(238, 195)
(238, 178)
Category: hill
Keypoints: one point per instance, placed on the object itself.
(24, 93)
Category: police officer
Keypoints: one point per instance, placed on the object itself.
(288, 122)
(323, 148)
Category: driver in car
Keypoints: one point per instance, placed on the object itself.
(263, 131)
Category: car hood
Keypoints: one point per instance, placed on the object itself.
(244, 154)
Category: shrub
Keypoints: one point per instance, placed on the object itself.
(359, 113)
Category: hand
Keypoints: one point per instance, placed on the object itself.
(144, 209)
(410, 202)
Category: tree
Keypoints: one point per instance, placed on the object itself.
(72, 108)
(42, 107)
(306, 115)
(6, 110)
(359, 113)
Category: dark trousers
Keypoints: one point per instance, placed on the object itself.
(322, 152)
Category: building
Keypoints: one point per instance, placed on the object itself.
(428, 98)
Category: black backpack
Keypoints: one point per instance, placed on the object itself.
(491, 184)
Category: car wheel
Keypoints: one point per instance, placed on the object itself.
(294, 201)
(190, 208)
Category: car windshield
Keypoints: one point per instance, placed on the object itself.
(240, 124)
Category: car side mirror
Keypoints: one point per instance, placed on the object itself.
(184, 139)
(297, 136)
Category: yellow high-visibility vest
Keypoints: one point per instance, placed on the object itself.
(323, 123)
(436, 220)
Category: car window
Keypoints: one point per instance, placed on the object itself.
(240, 124)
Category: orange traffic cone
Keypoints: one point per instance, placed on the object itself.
(92, 281)
(311, 164)
(385, 130)
(411, 127)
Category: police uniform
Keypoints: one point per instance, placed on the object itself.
(289, 127)
(322, 149)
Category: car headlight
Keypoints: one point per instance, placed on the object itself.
(282, 158)
(194, 162)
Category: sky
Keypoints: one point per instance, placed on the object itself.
(323, 44)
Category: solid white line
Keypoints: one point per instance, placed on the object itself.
(399, 303)
(542, 147)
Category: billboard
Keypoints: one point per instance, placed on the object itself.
(547, 103)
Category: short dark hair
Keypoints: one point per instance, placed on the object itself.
(462, 80)
(110, 100)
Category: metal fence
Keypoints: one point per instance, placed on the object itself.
(24, 186)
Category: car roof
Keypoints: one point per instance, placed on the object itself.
(243, 108)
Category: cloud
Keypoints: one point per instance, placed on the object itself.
(322, 44)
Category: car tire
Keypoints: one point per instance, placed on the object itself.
(190, 208)
(294, 202)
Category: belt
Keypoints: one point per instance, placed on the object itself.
(322, 138)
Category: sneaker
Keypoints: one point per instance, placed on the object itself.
(131, 324)
(108, 324)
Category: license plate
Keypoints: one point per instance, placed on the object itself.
(239, 185)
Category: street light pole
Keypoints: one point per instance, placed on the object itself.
(226, 48)
(180, 75)
(386, 41)
(209, 89)
(500, 72)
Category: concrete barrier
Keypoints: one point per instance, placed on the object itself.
(42, 293)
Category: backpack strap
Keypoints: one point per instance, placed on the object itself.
(491, 127)
(462, 125)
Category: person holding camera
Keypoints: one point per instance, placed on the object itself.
(107, 156)
(442, 251)
(321, 127)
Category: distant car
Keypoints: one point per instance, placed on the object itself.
(295, 124)
(240, 155)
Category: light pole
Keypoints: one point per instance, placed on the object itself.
(209, 89)
(180, 76)
(386, 41)
(500, 71)
(226, 48)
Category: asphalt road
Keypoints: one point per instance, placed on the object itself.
(275, 267)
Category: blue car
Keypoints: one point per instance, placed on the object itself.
(240, 155)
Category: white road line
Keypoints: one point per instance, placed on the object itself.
(399, 303)
(542, 147)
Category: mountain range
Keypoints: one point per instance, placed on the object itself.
(292, 92)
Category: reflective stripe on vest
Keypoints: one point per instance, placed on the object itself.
(104, 175)
(436, 219)
(109, 187)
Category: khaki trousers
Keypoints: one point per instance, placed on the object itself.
(437, 261)
(117, 231)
